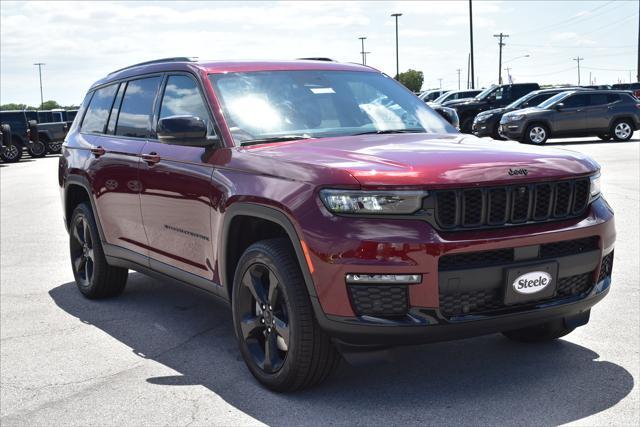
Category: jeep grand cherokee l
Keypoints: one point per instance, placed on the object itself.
(604, 113)
(334, 211)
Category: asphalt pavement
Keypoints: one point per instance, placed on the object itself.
(164, 354)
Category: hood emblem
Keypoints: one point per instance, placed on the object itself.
(518, 172)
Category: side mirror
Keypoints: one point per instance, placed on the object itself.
(183, 130)
(559, 106)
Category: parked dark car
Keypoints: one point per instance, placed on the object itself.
(633, 87)
(455, 95)
(431, 95)
(606, 114)
(490, 98)
(24, 134)
(50, 132)
(332, 209)
(487, 123)
(8, 148)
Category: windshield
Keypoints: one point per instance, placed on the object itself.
(555, 98)
(266, 105)
(442, 98)
(486, 92)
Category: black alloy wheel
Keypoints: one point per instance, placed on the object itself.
(264, 318)
(82, 254)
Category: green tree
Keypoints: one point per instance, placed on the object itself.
(49, 105)
(412, 79)
(14, 106)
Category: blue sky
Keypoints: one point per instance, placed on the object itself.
(82, 41)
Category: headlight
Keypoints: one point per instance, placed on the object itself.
(372, 202)
(595, 186)
(515, 117)
(482, 117)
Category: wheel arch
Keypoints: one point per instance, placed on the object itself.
(626, 117)
(77, 189)
(276, 224)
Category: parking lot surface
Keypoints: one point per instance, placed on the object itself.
(164, 354)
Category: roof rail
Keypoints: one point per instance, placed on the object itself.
(318, 58)
(157, 61)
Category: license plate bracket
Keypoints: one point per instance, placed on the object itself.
(531, 282)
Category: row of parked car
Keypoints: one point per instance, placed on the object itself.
(37, 132)
(526, 113)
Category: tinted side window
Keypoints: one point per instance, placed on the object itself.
(520, 91)
(598, 99)
(575, 101)
(136, 110)
(111, 127)
(182, 97)
(97, 114)
(612, 97)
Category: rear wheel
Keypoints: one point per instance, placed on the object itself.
(94, 277)
(536, 134)
(279, 339)
(539, 333)
(37, 149)
(11, 152)
(622, 130)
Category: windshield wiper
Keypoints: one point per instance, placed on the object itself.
(385, 131)
(281, 138)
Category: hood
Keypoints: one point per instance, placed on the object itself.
(529, 110)
(462, 101)
(496, 111)
(432, 160)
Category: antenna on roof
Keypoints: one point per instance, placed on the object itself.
(158, 61)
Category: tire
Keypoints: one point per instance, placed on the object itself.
(540, 333)
(466, 124)
(495, 134)
(536, 134)
(622, 130)
(94, 277)
(37, 149)
(54, 147)
(301, 354)
(11, 152)
(604, 136)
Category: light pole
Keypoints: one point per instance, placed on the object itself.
(396, 15)
(471, 42)
(517, 57)
(440, 81)
(40, 64)
(458, 70)
(364, 58)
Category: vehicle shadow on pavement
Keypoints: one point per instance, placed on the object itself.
(551, 142)
(482, 381)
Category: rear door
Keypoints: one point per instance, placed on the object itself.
(597, 112)
(176, 187)
(572, 117)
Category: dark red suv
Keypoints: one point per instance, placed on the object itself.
(334, 210)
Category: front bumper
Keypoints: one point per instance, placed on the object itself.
(354, 245)
(511, 130)
(484, 128)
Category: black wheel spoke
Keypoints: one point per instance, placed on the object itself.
(87, 233)
(88, 270)
(79, 263)
(282, 328)
(76, 233)
(273, 289)
(256, 286)
(249, 325)
(270, 353)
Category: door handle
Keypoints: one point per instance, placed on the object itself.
(151, 158)
(98, 151)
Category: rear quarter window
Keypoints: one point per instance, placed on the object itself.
(136, 111)
(95, 120)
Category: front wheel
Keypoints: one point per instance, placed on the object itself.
(622, 130)
(279, 339)
(540, 333)
(604, 136)
(536, 134)
(37, 149)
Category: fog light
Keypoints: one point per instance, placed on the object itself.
(384, 278)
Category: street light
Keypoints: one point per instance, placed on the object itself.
(517, 57)
(40, 64)
(396, 15)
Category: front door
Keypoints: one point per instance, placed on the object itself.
(176, 188)
(572, 117)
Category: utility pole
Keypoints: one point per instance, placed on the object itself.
(500, 44)
(508, 70)
(396, 15)
(471, 40)
(364, 57)
(578, 59)
(638, 75)
(468, 71)
(458, 70)
(440, 80)
(40, 64)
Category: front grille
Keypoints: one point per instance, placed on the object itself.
(379, 300)
(505, 256)
(488, 300)
(510, 205)
(606, 268)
